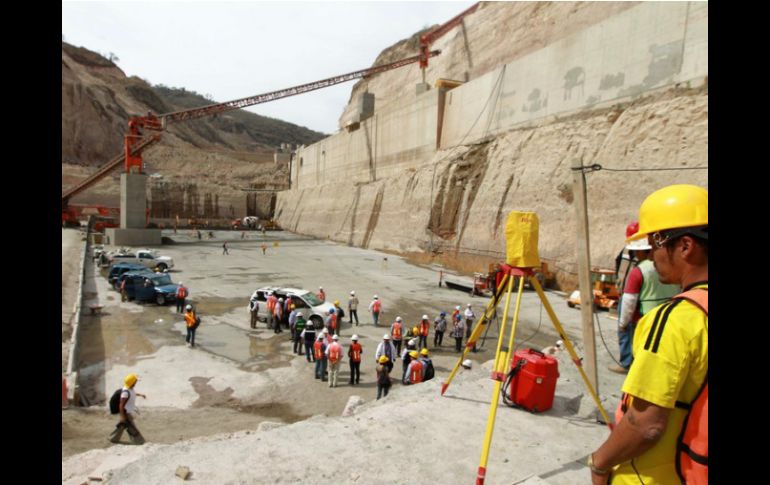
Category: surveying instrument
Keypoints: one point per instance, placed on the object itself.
(521, 236)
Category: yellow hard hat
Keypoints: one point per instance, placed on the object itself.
(413, 354)
(130, 380)
(424, 351)
(383, 359)
(415, 330)
(673, 207)
(336, 303)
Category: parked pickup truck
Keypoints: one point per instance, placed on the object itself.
(145, 257)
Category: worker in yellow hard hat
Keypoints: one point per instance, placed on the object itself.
(340, 314)
(383, 376)
(659, 434)
(414, 372)
(126, 407)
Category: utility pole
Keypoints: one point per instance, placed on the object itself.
(584, 271)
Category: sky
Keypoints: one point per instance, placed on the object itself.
(232, 50)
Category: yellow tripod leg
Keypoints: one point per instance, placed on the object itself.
(570, 348)
(502, 361)
(481, 325)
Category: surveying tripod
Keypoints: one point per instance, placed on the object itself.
(503, 353)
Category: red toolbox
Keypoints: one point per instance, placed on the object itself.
(533, 385)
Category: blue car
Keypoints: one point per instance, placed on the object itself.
(149, 286)
(119, 268)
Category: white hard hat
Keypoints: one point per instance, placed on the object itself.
(325, 330)
(412, 342)
(180, 283)
(189, 307)
(457, 307)
(320, 287)
(280, 299)
(560, 343)
(467, 363)
(354, 337)
(398, 319)
(639, 245)
(320, 336)
(386, 337)
(425, 317)
(336, 337)
(375, 297)
(352, 292)
(299, 314)
(469, 304)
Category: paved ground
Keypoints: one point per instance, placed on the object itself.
(239, 377)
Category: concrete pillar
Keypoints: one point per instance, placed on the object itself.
(133, 201)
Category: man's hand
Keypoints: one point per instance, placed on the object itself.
(597, 479)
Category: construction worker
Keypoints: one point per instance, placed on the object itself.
(309, 335)
(191, 321)
(123, 292)
(458, 332)
(353, 307)
(299, 327)
(340, 314)
(334, 355)
(224, 245)
(278, 316)
(127, 410)
(427, 365)
(376, 308)
(319, 352)
(331, 321)
(386, 348)
(383, 376)
(423, 332)
(354, 356)
(661, 431)
(456, 314)
(439, 327)
(414, 373)
(271, 299)
(470, 317)
(406, 356)
(254, 310)
(642, 292)
(181, 296)
(396, 331)
(321, 294)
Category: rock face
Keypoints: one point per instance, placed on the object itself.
(200, 167)
(443, 175)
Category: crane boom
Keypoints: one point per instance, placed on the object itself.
(135, 142)
(427, 39)
(194, 113)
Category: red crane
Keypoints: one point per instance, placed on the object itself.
(427, 39)
(136, 141)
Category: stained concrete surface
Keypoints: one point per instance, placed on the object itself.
(239, 377)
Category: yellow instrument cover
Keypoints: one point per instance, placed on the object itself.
(521, 233)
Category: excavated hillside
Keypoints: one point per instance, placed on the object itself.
(200, 167)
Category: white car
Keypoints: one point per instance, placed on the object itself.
(313, 309)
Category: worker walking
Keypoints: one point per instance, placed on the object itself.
(383, 376)
(375, 307)
(353, 307)
(319, 352)
(354, 355)
(224, 248)
(642, 292)
(396, 332)
(309, 335)
(181, 296)
(127, 409)
(387, 349)
(192, 322)
(661, 431)
(254, 310)
(414, 370)
(424, 328)
(439, 327)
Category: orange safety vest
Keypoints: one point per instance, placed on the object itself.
(189, 318)
(415, 375)
(424, 327)
(396, 331)
(318, 349)
(333, 322)
(181, 292)
(271, 303)
(335, 353)
(692, 447)
(376, 306)
(355, 352)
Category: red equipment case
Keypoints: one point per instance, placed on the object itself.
(534, 385)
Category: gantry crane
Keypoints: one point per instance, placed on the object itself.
(137, 141)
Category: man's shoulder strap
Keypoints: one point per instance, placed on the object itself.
(698, 297)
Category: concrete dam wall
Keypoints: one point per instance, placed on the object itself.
(441, 169)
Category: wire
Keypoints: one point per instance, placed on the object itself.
(601, 335)
(596, 167)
